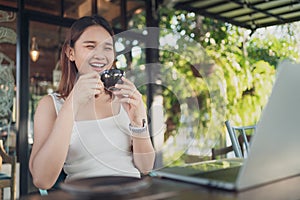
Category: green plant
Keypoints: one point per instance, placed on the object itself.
(220, 67)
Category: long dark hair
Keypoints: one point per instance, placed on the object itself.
(68, 68)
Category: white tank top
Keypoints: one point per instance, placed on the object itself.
(99, 147)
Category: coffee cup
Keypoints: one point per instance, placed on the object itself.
(111, 77)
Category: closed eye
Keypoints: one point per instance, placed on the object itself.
(90, 46)
(108, 48)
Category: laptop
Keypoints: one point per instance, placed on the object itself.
(274, 148)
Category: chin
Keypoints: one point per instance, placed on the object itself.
(98, 70)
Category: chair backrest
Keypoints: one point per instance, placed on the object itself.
(239, 137)
(215, 152)
(8, 180)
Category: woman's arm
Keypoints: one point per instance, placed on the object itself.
(143, 153)
(131, 99)
(52, 132)
(51, 141)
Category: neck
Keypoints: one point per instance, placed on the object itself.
(100, 107)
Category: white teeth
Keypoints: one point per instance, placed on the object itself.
(97, 65)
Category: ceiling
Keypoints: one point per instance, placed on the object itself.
(52, 35)
(250, 14)
(110, 9)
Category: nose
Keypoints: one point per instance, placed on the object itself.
(99, 56)
(99, 53)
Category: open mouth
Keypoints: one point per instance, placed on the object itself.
(98, 65)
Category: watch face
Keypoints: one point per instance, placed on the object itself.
(111, 77)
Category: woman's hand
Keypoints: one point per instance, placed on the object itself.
(87, 87)
(132, 102)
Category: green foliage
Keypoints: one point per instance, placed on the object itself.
(229, 73)
(273, 49)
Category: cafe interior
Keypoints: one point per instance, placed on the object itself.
(33, 31)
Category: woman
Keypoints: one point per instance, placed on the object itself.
(83, 128)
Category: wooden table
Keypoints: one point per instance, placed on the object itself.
(169, 189)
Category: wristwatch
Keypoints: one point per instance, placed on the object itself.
(138, 130)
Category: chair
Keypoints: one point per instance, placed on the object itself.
(215, 152)
(5, 130)
(8, 180)
(239, 137)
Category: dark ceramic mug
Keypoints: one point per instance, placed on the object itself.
(111, 77)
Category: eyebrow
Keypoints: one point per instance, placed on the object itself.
(106, 43)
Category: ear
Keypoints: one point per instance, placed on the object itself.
(70, 53)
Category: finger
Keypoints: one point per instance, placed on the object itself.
(126, 81)
(124, 86)
(90, 79)
(97, 93)
(129, 93)
(89, 86)
(129, 101)
(99, 89)
(90, 96)
(99, 85)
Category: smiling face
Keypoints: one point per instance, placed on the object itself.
(94, 50)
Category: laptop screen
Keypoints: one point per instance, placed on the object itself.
(274, 148)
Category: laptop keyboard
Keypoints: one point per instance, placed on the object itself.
(227, 175)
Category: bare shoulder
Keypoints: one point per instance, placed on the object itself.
(46, 101)
(46, 105)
